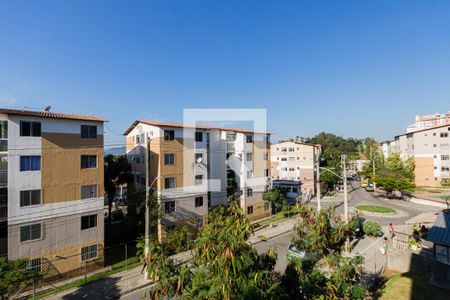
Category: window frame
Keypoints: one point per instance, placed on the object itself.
(169, 206)
(88, 133)
(87, 256)
(90, 186)
(29, 194)
(249, 192)
(198, 201)
(167, 179)
(34, 128)
(250, 210)
(30, 163)
(169, 135)
(170, 163)
(199, 180)
(199, 137)
(88, 164)
(31, 239)
(92, 222)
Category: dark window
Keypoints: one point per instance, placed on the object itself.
(88, 161)
(88, 131)
(30, 232)
(169, 135)
(28, 128)
(88, 252)
(249, 156)
(198, 136)
(198, 201)
(169, 159)
(249, 138)
(88, 222)
(31, 197)
(169, 183)
(88, 191)
(266, 205)
(169, 207)
(3, 129)
(30, 163)
(266, 172)
(170, 228)
(198, 179)
(250, 210)
(249, 192)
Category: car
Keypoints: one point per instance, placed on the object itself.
(364, 184)
(370, 188)
(293, 251)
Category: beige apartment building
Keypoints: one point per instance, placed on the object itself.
(430, 149)
(294, 161)
(429, 121)
(51, 189)
(194, 168)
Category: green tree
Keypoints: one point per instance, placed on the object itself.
(117, 172)
(276, 197)
(396, 175)
(178, 240)
(13, 275)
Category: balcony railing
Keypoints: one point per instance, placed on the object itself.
(3, 178)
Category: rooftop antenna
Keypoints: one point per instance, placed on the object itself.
(47, 109)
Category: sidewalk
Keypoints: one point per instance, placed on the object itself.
(129, 281)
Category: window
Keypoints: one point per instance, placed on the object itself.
(169, 159)
(199, 136)
(266, 205)
(294, 189)
(169, 207)
(88, 191)
(199, 223)
(30, 232)
(28, 128)
(249, 156)
(169, 135)
(291, 149)
(88, 222)
(30, 163)
(249, 174)
(445, 169)
(198, 156)
(268, 139)
(284, 149)
(443, 146)
(198, 201)
(35, 264)
(88, 131)
(250, 210)
(30, 197)
(283, 159)
(266, 172)
(249, 192)
(291, 158)
(89, 252)
(444, 134)
(170, 228)
(249, 138)
(198, 179)
(88, 161)
(266, 156)
(169, 183)
(3, 129)
(445, 157)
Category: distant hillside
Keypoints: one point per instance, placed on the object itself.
(115, 151)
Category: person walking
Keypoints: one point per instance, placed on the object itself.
(391, 230)
(384, 247)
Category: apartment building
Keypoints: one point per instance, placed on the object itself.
(429, 121)
(387, 147)
(194, 168)
(430, 149)
(294, 161)
(51, 189)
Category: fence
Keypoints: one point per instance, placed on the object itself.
(105, 258)
(375, 263)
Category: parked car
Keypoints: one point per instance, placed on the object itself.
(293, 251)
(370, 188)
(364, 184)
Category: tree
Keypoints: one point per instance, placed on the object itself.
(14, 274)
(117, 172)
(396, 175)
(226, 267)
(276, 197)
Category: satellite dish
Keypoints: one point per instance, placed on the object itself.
(48, 108)
(199, 160)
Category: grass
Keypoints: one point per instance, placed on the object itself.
(133, 262)
(376, 209)
(411, 286)
(275, 218)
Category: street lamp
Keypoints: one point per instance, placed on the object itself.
(148, 223)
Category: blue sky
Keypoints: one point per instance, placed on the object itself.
(355, 68)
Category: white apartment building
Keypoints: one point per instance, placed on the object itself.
(198, 167)
(429, 121)
(295, 162)
(387, 147)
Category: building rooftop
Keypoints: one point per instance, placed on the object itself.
(51, 115)
(440, 232)
(178, 125)
(422, 130)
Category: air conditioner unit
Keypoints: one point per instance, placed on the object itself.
(5, 159)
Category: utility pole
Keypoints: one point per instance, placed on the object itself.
(318, 180)
(147, 207)
(344, 177)
(373, 168)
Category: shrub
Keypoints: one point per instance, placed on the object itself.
(372, 228)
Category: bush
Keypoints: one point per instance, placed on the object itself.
(372, 228)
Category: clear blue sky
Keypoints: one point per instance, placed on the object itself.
(355, 68)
